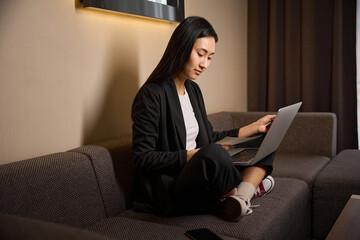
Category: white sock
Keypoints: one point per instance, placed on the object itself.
(245, 190)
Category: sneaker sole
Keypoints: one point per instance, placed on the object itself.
(272, 184)
(232, 209)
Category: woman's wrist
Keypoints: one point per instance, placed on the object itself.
(240, 134)
(256, 127)
(249, 130)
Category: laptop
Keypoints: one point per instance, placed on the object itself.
(271, 141)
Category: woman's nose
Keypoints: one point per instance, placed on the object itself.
(204, 63)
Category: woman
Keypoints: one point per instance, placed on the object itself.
(179, 168)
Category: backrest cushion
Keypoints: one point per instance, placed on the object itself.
(112, 196)
(309, 133)
(221, 121)
(120, 150)
(60, 188)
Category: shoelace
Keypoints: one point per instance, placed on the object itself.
(250, 207)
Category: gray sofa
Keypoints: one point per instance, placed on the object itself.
(85, 193)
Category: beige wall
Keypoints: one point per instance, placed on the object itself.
(224, 83)
(68, 75)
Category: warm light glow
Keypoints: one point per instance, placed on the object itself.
(128, 15)
(159, 10)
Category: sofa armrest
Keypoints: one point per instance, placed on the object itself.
(120, 150)
(310, 133)
(60, 188)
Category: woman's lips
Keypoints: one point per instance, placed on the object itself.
(198, 72)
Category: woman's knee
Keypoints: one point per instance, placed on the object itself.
(216, 154)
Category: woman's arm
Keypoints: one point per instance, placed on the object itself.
(260, 126)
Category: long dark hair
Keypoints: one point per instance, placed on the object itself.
(179, 48)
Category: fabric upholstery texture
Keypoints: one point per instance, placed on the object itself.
(59, 188)
(221, 121)
(333, 188)
(101, 161)
(288, 205)
(299, 166)
(20, 228)
(120, 150)
(125, 228)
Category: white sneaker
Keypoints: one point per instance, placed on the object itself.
(265, 187)
(233, 208)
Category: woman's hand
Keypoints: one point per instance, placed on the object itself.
(227, 147)
(191, 153)
(260, 126)
(264, 123)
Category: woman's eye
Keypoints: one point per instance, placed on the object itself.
(200, 55)
(209, 58)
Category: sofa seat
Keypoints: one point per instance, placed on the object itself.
(283, 214)
(299, 166)
(126, 228)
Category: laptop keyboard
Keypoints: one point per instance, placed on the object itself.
(245, 155)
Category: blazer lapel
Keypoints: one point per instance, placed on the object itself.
(176, 113)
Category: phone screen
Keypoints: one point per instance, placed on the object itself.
(202, 234)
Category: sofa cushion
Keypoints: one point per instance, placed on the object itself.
(222, 121)
(333, 187)
(309, 133)
(300, 166)
(59, 188)
(283, 214)
(120, 150)
(126, 228)
(112, 196)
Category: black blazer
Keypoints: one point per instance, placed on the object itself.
(159, 140)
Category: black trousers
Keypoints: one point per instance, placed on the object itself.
(208, 176)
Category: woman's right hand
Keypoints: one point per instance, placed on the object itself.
(191, 153)
(227, 147)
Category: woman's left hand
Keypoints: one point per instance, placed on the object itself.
(260, 126)
(263, 123)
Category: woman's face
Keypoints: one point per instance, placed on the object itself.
(200, 58)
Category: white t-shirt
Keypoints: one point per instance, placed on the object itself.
(191, 124)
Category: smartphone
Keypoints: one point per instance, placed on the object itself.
(202, 234)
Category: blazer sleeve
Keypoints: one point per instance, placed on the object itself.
(216, 136)
(146, 113)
